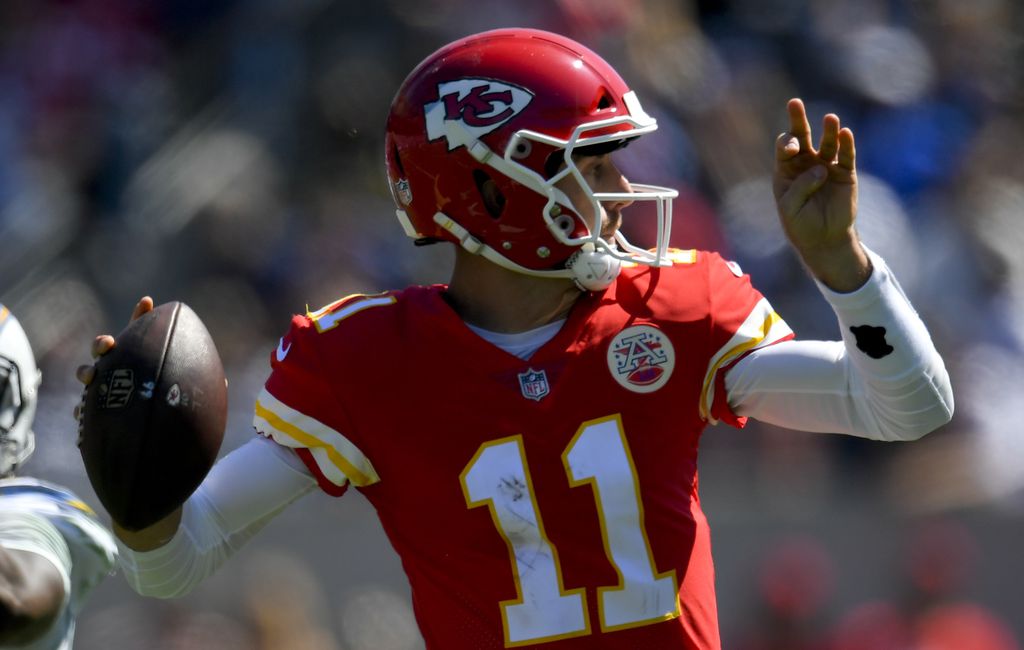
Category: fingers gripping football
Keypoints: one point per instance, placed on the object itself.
(153, 413)
(100, 346)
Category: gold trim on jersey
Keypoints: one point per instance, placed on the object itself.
(633, 558)
(679, 256)
(762, 327)
(336, 456)
(327, 318)
(675, 255)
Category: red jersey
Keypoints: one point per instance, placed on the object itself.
(549, 502)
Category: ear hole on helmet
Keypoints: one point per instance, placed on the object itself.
(604, 102)
(565, 223)
(493, 199)
(521, 149)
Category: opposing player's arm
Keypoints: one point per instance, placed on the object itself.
(33, 589)
(31, 595)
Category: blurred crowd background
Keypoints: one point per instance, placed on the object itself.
(228, 153)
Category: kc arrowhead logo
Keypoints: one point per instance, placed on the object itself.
(469, 108)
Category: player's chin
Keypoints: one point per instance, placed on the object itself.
(611, 221)
(610, 227)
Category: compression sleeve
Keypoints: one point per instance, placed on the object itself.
(242, 493)
(884, 380)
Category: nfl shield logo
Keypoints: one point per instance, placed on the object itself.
(403, 191)
(534, 384)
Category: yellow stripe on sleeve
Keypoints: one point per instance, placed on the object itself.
(762, 327)
(333, 452)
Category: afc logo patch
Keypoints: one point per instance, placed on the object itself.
(641, 358)
(470, 108)
(534, 384)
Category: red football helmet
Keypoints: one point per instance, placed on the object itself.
(511, 105)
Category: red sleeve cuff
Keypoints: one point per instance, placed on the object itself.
(720, 409)
(325, 484)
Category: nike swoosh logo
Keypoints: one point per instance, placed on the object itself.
(282, 351)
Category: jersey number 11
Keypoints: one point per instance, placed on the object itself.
(497, 476)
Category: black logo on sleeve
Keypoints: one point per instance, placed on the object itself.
(871, 341)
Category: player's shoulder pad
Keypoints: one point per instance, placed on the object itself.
(687, 265)
(350, 321)
(710, 264)
(719, 263)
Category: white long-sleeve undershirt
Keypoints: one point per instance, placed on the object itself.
(826, 386)
(240, 495)
(835, 387)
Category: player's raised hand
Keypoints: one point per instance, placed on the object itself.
(816, 196)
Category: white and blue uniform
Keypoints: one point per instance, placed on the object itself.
(51, 521)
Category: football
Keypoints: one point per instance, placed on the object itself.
(152, 419)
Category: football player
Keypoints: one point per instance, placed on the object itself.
(528, 433)
(53, 551)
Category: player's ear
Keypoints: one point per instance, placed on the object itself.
(494, 200)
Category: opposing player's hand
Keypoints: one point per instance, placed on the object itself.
(816, 196)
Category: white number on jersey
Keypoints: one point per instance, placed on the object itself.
(598, 455)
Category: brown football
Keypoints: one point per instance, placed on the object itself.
(153, 417)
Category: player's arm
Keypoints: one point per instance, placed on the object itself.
(152, 537)
(241, 494)
(885, 380)
(34, 569)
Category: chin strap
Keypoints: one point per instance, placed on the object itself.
(593, 270)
